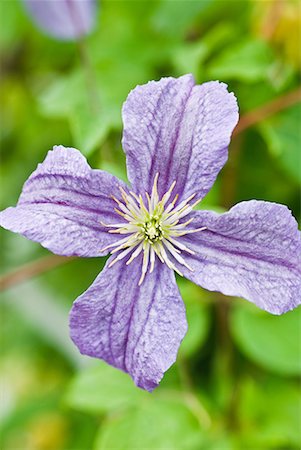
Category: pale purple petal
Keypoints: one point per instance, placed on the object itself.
(136, 329)
(63, 203)
(179, 130)
(253, 251)
(63, 19)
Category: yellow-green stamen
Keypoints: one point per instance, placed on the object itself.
(153, 229)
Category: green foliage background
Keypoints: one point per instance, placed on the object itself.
(235, 384)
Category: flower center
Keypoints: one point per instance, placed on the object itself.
(154, 228)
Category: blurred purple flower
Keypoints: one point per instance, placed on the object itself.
(175, 137)
(63, 19)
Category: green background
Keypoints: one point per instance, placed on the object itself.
(235, 383)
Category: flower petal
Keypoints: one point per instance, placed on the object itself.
(137, 329)
(63, 19)
(179, 130)
(63, 203)
(252, 251)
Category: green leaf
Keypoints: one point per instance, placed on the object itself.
(157, 424)
(92, 109)
(270, 341)
(14, 25)
(190, 56)
(89, 118)
(62, 94)
(101, 389)
(115, 169)
(247, 61)
(282, 135)
(258, 175)
(90, 128)
(183, 14)
(269, 413)
(197, 317)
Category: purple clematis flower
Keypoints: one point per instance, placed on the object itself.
(63, 19)
(175, 137)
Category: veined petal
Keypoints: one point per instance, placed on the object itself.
(179, 130)
(63, 19)
(137, 329)
(253, 251)
(63, 203)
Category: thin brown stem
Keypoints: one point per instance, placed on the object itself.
(31, 270)
(263, 112)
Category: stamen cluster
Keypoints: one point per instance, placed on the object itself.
(154, 228)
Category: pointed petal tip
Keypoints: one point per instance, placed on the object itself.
(147, 385)
(136, 329)
(61, 205)
(279, 310)
(3, 215)
(252, 251)
(197, 123)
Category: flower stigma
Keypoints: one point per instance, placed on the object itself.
(152, 228)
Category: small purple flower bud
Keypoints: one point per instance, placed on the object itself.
(63, 19)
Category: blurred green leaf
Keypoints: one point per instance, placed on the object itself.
(14, 24)
(198, 326)
(48, 318)
(248, 61)
(283, 137)
(280, 75)
(68, 97)
(273, 342)
(24, 413)
(101, 389)
(189, 56)
(269, 413)
(260, 177)
(183, 14)
(62, 94)
(93, 112)
(89, 128)
(157, 424)
(115, 169)
(262, 92)
(197, 317)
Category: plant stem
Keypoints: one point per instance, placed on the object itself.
(31, 270)
(263, 112)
